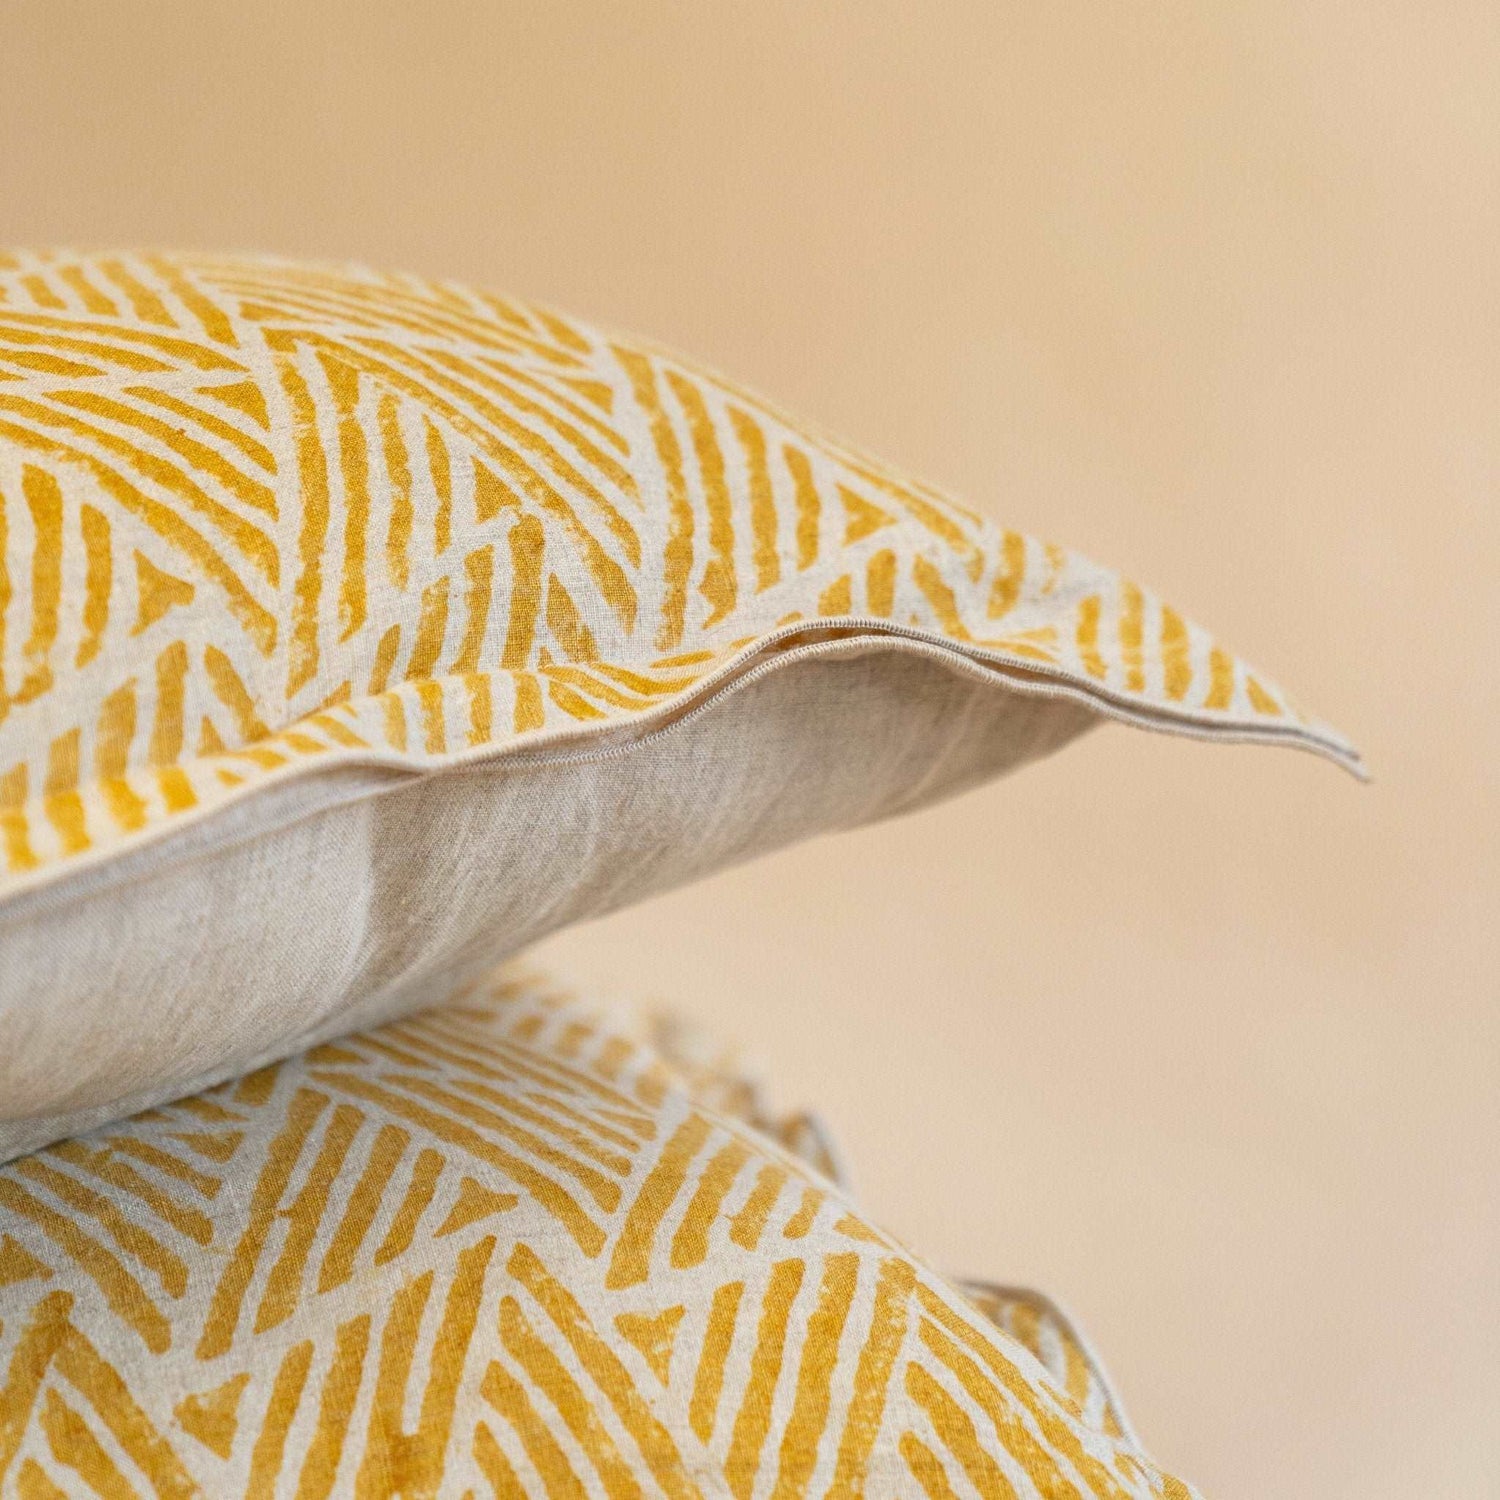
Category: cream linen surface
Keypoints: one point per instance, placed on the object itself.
(306, 572)
(182, 971)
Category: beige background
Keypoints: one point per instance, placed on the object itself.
(1204, 1040)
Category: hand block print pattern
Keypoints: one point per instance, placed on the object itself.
(504, 1250)
(259, 519)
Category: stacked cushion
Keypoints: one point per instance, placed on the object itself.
(505, 1248)
(356, 630)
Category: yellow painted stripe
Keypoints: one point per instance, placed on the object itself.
(481, 708)
(312, 537)
(807, 1211)
(432, 629)
(31, 1358)
(354, 469)
(165, 1162)
(872, 1378)
(75, 1446)
(254, 451)
(98, 577)
(631, 1261)
(1176, 667)
(508, 1396)
(614, 583)
(512, 400)
(126, 1297)
(1132, 629)
(335, 1407)
(528, 472)
(804, 1428)
(398, 472)
(200, 457)
(281, 1410)
(1087, 636)
(60, 800)
(146, 1446)
(144, 303)
(258, 622)
(719, 583)
(566, 625)
(424, 1179)
(677, 559)
(956, 1428)
(44, 501)
(926, 1468)
(304, 1218)
(604, 1190)
(113, 735)
(166, 730)
(1220, 679)
(809, 504)
(479, 567)
(691, 1242)
(837, 598)
(231, 691)
(549, 1375)
(364, 1203)
(442, 486)
(432, 701)
(94, 300)
(547, 1191)
(1010, 576)
(168, 1267)
(1055, 1429)
(215, 323)
(880, 584)
(265, 1199)
(527, 544)
(940, 596)
(124, 1178)
(718, 1338)
(1035, 1461)
(254, 544)
(604, 1368)
(753, 1420)
(747, 1226)
(1260, 700)
(455, 1334)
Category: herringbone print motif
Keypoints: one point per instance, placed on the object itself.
(258, 518)
(1037, 1322)
(500, 1250)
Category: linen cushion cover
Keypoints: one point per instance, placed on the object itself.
(356, 630)
(504, 1248)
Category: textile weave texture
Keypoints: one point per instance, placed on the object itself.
(507, 1248)
(261, 517)
(358, 630)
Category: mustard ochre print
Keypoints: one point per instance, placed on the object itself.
(259, 519)
(505, 1249)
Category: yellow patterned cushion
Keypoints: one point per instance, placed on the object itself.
(502, 1249)
(343, 619)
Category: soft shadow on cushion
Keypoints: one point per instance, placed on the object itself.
(183, 973)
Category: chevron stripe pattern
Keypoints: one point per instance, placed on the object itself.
(259, 519)
(499, 1250)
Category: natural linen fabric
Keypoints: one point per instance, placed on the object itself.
(501, 1249)
(355, 629)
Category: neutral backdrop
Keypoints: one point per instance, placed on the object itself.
(1203, 1040)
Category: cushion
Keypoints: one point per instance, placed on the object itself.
(505, 1248)
(356, 630)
